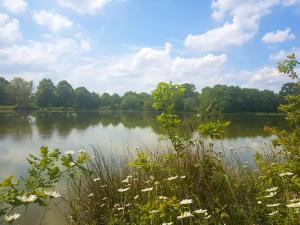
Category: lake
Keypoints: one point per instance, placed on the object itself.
(22, 133)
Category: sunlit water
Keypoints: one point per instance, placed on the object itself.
(22, 133)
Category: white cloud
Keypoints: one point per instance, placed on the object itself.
(53, 21)
(15, 6)
(280, 55)
(84, 6)
(278, 36)
(244, 25)
(9, 30)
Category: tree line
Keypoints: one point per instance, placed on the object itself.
(220, 98)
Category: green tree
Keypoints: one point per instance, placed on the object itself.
(20, 90)
(65, 94)
(45, 94)
(289, 89)
(4, 95)
(130, 101)
(85, 99)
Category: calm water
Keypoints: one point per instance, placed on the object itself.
(22, 133)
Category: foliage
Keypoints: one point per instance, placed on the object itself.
(20, 90)
(4, 94)
(44, 172)
(45, 94)
(214, 130)
(64, 94)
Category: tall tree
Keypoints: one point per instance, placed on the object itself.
(20, 90)
(45, 94)
(4, 95)
(65, 94)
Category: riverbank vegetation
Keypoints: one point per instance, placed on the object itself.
(18, 94)
(192, 182)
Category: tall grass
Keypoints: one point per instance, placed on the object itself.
(196, 187)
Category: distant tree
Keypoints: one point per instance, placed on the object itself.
(65, 94)
(289, 89)
(45, 94)
(4, 95)
(20, 90)
(130, 101)
(85, 99)
(115, 101)
(105, 101)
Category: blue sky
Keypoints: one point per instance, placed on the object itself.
(120, 45)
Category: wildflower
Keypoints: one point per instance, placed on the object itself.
(52, 194)
(72, 163)
(156, 183)
(286, 174)
(273, 205)
(200, 211)
(120, 209)
(102, 205)
(123, 189)
(207, 217)
(186, 202)
(103, 199)
(147, 182)
(25, 199)
(294, 205)
(273, 213)
(295, 200)
(152, 177)
(162, 198)
(147, 189)
(69, 153)
(256, 170)
(90, 195)
(103, 186)
(136, 197)
(126, 180)
(167, 223)
(271, 195)
(259, 202)
(182, 177)
(129, 204)
(154, 211)
(82, 151)
(96, 179)
(272, 189)
(172, 178)
(11, 218)
(116, 205)
(185, 215)
(129, 176)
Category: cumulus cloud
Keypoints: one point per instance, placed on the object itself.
(84, 6)
(280, 55)
(278, 36)
(15, 6)
(53, 21)
(246, 16)
(9, 30)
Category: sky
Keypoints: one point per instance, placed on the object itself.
(120, 45)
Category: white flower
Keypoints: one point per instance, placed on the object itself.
(273, 213)
(147, 189)
(286, 174)
(207, 217)
(272, 189)
(167, 223)
(172, 178)
(162, 198)
(123, 189)
(137, 148)
(154, 211)
(293, 205)
(126, 180)
(147, 182)
(52, 194)
(102, 205)
(182, 177)
(295, 200)
(136, 197)
(186, 201)
(120, 209)
(271, 195)
(69, 152)
(129, 204)
(82, 151)
(11, 218)
(72, 163)
(96, 179)
(24, 198)
(103, 199)
(200, 211)
(185, 215)
(103, 186)
(273, 205)
(90, 195)
(259, 202)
